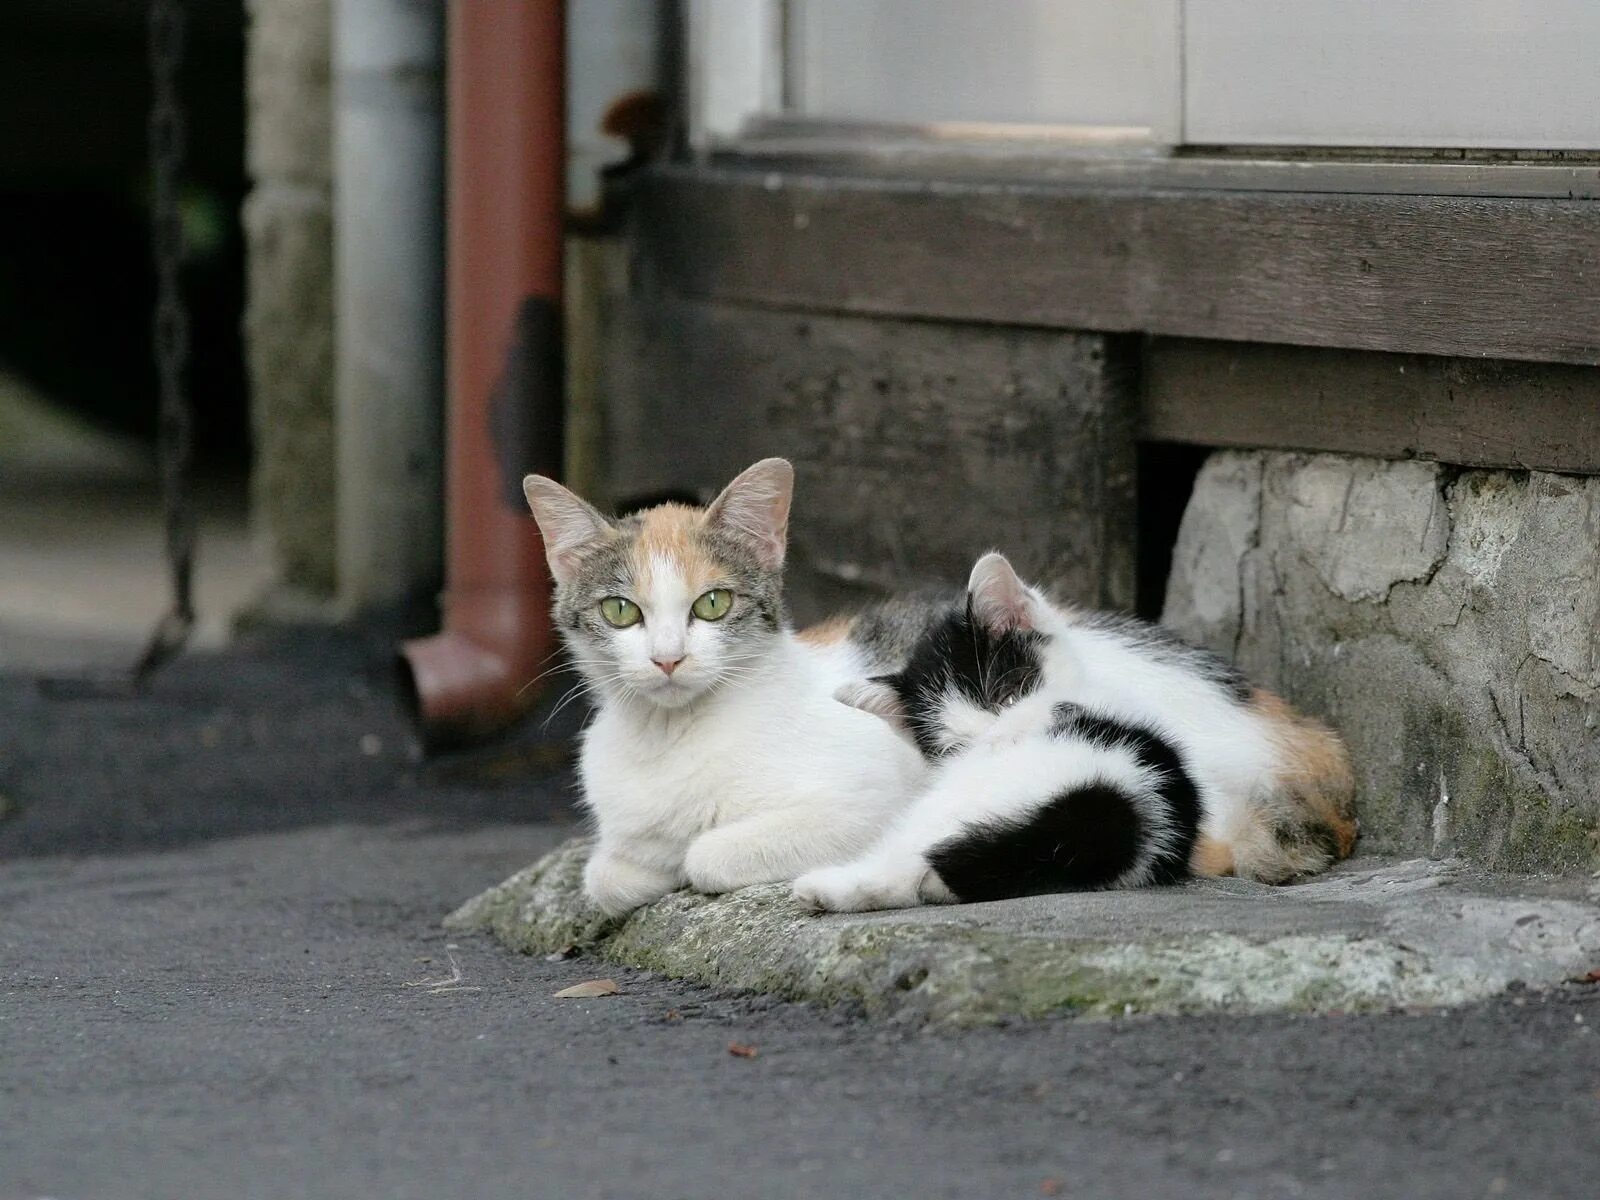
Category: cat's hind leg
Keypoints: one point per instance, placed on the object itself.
(1303, 820)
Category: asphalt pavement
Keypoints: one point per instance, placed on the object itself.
(222, 973)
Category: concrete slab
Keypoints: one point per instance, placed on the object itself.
(1372, 935)
(83, 571)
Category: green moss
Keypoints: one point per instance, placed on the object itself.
(951, 971)
(1501, 820)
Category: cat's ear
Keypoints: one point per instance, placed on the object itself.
(568, 524)
(874, 696)
(999, 600)
(755, 509)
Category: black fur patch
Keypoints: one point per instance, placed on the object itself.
(958, 652)
(1151, 750)
(1082, 838)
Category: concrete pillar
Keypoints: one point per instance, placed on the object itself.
(288, 222)
(389, 383)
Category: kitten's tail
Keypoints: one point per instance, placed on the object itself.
(1132, 820)
(1305, 821)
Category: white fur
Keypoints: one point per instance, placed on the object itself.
(1009, 761)
(752, 782)
(738, 766)
(990, 782)
(1228, 749)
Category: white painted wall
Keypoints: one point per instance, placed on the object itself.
(1518, 74)
(1485, 73)
(1058, 62)
(613, 48)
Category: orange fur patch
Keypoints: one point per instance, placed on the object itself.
(1211, 857)
(1316, 768)
(668, 532)
(827, 633)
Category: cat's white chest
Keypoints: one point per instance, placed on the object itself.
(783, 745)
(674, 780)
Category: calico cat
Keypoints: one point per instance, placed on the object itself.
(1078, 750)
(718, 757)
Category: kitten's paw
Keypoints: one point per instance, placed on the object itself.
(859, 887)
(1022, 722)
(616, 886)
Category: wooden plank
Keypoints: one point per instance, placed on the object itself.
(1484, 278)
(918, 445)
(1464, 411)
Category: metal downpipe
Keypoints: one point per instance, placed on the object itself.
(505, 209)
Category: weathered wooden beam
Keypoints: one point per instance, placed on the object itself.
(1465, 411)
(1468, 277)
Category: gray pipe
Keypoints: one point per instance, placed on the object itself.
(388, 297)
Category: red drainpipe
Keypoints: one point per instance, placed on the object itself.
(506, 203)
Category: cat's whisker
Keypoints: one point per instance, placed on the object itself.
(542, 676)
(583, 688)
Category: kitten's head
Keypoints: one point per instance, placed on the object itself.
(975, 664)
(673, 602)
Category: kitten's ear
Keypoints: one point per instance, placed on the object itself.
(999, 600)
(567, 523)
(874, 696)
(755, 508)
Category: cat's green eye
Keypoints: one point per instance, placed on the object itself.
(620, 612)
(714, 605)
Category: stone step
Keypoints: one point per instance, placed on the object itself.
(1370, 935)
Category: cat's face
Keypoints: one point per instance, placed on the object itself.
(985, 666)
(672, 603)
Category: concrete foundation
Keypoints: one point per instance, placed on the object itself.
(288, 221)
(1446, 621)
(389, 293)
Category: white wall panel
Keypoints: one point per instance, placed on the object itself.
(1486, 73)
(1039, 62)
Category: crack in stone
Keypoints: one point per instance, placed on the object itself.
(1247, 557)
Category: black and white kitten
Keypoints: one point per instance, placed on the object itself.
(1075, 750)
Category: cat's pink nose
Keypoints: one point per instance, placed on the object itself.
(667, 665)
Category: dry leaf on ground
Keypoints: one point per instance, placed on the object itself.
(740, 1050)
(588, 989)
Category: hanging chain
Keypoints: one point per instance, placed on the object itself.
(167, 136)
(175, 428)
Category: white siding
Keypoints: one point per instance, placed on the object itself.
(1051, 62)
(1485, 73)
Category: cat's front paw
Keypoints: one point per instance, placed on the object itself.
(617, 886)
(858, 887)
(1023, 721)
(717, 863)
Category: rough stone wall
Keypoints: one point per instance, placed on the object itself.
(1446, 621)
(288, 221)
